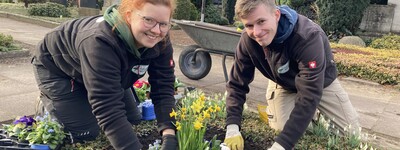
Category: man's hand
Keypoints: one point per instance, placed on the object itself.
(276, 146)
(233, 138)
(169, 142)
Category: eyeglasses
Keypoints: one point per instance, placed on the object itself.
(151, 23)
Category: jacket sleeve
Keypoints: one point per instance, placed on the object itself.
(241, 75)
(309, 82)
(101, 71)
(161, 79)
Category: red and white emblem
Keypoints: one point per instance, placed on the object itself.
(312, 64)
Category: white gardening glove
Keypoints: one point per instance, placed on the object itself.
(276, 146)
(233, 138)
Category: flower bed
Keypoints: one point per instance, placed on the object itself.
(256, 133)
(382, 66)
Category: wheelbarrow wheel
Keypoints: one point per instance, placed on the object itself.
(197, 69)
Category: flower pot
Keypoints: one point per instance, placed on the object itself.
(40, 147)
(148, 110)
(23, 144)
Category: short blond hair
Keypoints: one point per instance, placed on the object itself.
(245, 7)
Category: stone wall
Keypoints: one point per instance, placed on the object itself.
(396, 17)
(378, 18)
(382, 19)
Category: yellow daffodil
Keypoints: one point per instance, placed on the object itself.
(172, 114)
(206, 114)
(178, 126)
(210, 109)
(202, 97)
(197, 125)
(196, 107)
(200, 118)
(217, 108)
(183, 110)
(183, 116)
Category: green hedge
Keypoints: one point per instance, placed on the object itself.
(340, 18)
(49, 9)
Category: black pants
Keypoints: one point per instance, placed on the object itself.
(67, 101)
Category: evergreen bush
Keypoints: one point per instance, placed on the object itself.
(49, 10)
(213, 15)
(185, 10)
(339, 18)
(229, 10)
(7, 43)
(304, 7)
(390, 41)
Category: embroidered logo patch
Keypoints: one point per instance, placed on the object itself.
(140, 69)
(312, 64)
(283, 69)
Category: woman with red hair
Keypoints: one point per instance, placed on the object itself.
(85, 68)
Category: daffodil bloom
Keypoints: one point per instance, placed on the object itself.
(217, 108)
(196, 107)
(183, 116)
(210, 109)
(178, 126)
(183, 110)
(200, 118)
(172, 114)
(206, 114)
(197, 125)
(202, 97)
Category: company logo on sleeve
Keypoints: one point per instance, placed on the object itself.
(140, 69)
(312, 64)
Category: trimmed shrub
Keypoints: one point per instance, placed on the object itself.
(6, 43)
(213, 15)
(304, 7)
(185, 10)
(352, 40)
(229, 10)
(339, 18)
(390, 41)
(49, 10)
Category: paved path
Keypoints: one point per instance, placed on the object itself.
(378, 106)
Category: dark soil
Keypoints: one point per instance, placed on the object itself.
(149, 137)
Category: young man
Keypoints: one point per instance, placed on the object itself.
(294, 54)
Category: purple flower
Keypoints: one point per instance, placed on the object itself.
(50, 130)
(28, 121)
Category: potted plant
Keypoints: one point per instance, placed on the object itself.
(142, 89)
(47, 132)
(20, 128)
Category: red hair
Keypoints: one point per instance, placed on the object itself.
(129, 5)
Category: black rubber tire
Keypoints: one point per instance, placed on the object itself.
(200, 68)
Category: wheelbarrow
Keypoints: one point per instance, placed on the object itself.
(195, 60)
